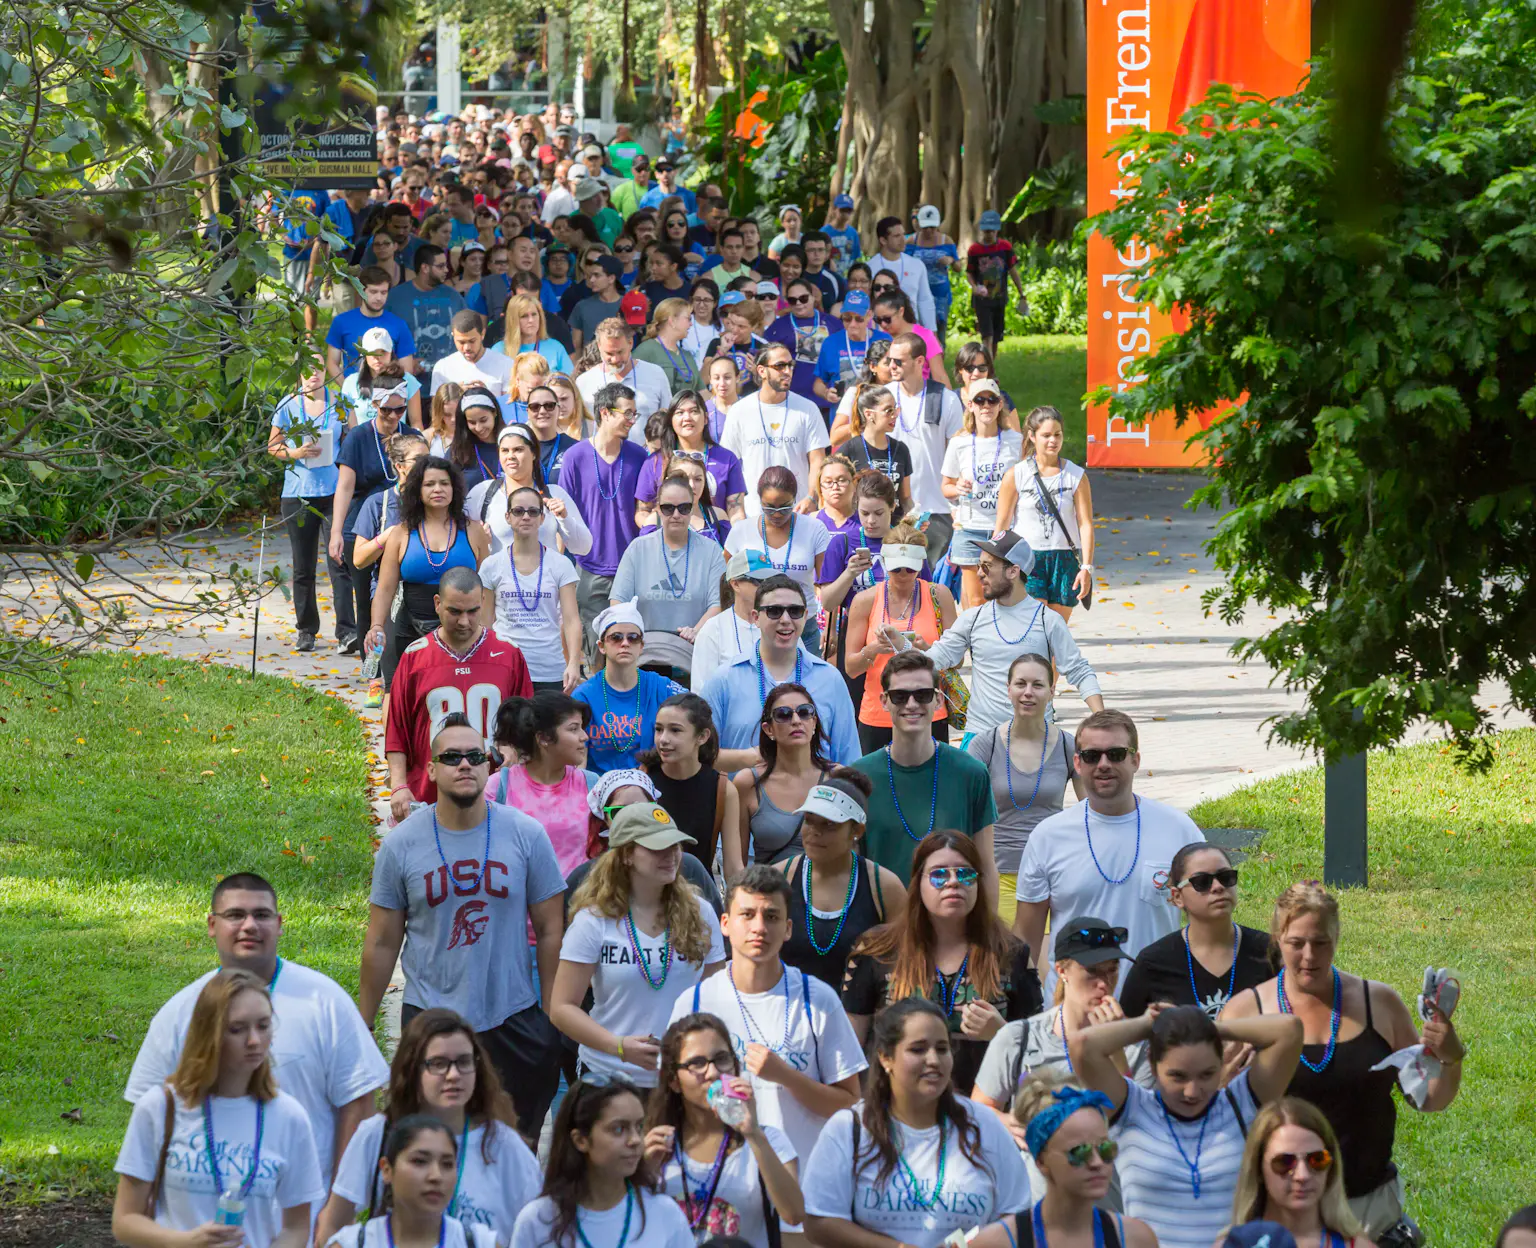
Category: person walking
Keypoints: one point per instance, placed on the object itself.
(939, 257)
(684, 430)
(928, 415)
(788, 541)
(701, 800)
(990, 266)
(456, 884)
(550, 779)
(731, 634)
(793, 748)
(775, 428)
(910, 274)
(673, 574)
(623, 697)
(873, 447)
(975, 469)
(561, 525)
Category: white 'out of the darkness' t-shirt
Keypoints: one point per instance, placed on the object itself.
(737, 1205)
(656, 1222)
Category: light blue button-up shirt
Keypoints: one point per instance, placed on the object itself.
(735, 698)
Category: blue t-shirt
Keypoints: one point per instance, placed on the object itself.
(365, 453)
(303, 206)
(429, 315)
(463, 232)
(348, 328)
(623, 724)
(550, 292)
(341, 219)
(936, 260)
(653, 197)
(299, 479)
(846, 248)
(842, 361)
(557, 356)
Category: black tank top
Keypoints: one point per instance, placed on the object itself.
(863, 914)
(1357, 1102)
(691, 803)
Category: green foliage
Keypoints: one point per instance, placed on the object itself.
(161, 777)
(1045, 370)
(1056, 283)
(1062, 185)
(1374, 452)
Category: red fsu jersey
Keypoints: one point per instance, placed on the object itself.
(432, 682)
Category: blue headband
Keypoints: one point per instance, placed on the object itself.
(1048, 1121)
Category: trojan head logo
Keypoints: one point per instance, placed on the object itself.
(469, 922)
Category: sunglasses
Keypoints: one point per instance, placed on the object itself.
(598, 1079)
(391, 408)
(798, 299)
(524, 513)
(986, 400)
(723, 1062)
(1079, 1155)
(1317, 1161)
(965, 877)
(633, 639)
(777, 365)
(783, 714)
(452, 758)
(1201, 881)
(779, 610)
(698, 457)
(543, 407)
(900, 697)
(675, 509)
(1099, 937)
(885, 320)
(779, 512)
(623, 251)
(771, 299)
(1115, 754)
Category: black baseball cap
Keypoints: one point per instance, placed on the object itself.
(664, 162)
(1089, 941)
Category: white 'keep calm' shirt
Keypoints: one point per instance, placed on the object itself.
(1058, 867)
(987, 462)
(622, 999)
(490, 1192)
(322, 1055)
(927, 442)
(656, 1222)
(820, 1046)
(737, 1205)
(766, 434)
(808, 541)
(288, 1173)
(972, 1195)
(528, 608)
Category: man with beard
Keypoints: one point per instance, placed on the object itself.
(463, 879)
(427, 305)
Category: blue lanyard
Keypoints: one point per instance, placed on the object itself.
(213, 1159)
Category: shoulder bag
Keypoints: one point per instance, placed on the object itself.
(1084, 600)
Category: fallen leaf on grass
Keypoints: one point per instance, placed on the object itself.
(73, 1115)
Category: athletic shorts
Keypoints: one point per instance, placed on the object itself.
(1051, 578)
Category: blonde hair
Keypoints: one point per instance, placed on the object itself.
(1037, 1090)
(1251, 1197)
(1299, 900)
(664, 311)
(442, 427)
(580, 419)
(968, 417)
(433, 221)
(606, 892)
(197, 1072)
(903, 534)
(528, 369)
(512, 334)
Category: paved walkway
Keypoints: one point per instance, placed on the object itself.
(1202, 715)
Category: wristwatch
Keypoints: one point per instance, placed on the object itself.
(1086, 567)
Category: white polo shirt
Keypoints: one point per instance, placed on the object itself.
(652, 390)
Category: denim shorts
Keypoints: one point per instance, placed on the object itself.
(963, 552)
(1052, 577)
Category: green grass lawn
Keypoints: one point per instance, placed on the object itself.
(1452, 869)
(1047, 369)
(133, 786)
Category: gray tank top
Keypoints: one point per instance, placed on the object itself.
(1017, 815)
(775, 832)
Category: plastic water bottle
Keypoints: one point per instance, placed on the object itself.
(373, 662)
(229, 1211)
(729, 1105)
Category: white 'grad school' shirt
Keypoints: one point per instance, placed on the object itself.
(374, 1233)
(322, 1055)
(656, 1222)
(821, 1044)
(288, 1173)
(763, 434)
(490, 1192)
(1154, 1178)
(972, 1195)
(623, 1000)
(467, 912)
(528, 608)
(737, 1205)
(1057, 866)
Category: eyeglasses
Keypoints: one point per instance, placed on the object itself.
(452, 758)
(240, 916)
(900, 697)
(1098, 937)
(633, 639)
(966, 877)
(464, 1064)
(524, 513)
(723, 1062)
(1201, 881)
(795, 611)
(674, 509)
(1079, 1155)
(543, 407)
(783, 714)
(1115, 754)
(1317, 1161)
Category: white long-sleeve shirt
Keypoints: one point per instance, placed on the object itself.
(912, 273)
(996, 635)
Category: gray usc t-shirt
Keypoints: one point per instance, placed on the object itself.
(466, 925)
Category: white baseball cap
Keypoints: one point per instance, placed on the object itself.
(897, 556)
(928, 217)
(377, 339)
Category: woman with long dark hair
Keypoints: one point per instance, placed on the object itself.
(561, 525)
(701, 799)
(916, 1161)
(793, 746)
(729, 1180)
(876, 372)
(791, 543)
(442, 1070)
(683, 429)
(432, 537)
(475, 433)
(703, 301)
(948, 948)
(599, 1189)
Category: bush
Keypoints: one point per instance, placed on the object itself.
(1056, 282)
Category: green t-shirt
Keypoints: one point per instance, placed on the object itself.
(622, 155)
(608, 223)
(964, 803)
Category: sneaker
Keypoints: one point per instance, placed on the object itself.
(375, 698)
(349, 643)
(306, 643)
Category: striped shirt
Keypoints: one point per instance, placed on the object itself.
(1155, 1178)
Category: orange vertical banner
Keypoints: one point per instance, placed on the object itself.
(1147, 62)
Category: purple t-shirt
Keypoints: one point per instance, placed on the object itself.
(716, 418)
(721, 466)
(605, 496)
(842, 545)
(849, 526)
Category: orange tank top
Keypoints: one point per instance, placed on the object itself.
(924, 622)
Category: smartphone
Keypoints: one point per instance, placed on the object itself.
(923, 519)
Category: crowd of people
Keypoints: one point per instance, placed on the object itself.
(726, 909)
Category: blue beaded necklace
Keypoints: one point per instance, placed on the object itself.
(615, 473)
(1013, 641)
(666, 560)
(620, 747)
(1189, 962)
(948, 992)
(629, 1209)
(762, 686)
(485, 856)
(1317, 1068)
(842, 919)
(762, 532)
(911, 1178)
(933, 800)
(1134, 857)
(1039, 771)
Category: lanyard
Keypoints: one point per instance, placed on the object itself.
(213, 1160)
